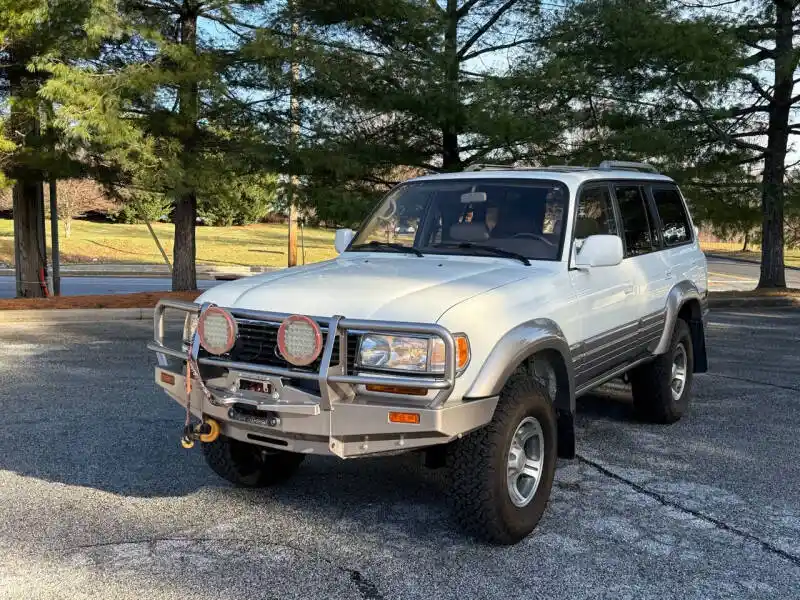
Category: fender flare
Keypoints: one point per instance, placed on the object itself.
(514, 348)
(679, 295)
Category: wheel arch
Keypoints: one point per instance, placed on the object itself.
(685, 301)
(522, 348)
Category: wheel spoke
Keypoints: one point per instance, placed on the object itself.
(531, 469)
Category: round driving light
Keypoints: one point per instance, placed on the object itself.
(299, 340)
(217, 330)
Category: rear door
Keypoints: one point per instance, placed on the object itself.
(642, 241)
(680, 257)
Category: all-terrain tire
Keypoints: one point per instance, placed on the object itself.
(652, 382)
(248, 465)
(478, 491)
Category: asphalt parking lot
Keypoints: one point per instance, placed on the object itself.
(98, 500)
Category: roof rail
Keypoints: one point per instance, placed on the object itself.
(483, 167)
(627, 165)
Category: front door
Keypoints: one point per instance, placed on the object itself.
(606, 296)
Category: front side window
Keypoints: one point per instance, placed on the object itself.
(637, 229)
(595, 215)
(674, 221)
(485, 217)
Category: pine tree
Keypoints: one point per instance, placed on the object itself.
(416, 84)
(685, 82)
(161, 110)
(31, 33)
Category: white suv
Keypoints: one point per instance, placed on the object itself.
(462, 321)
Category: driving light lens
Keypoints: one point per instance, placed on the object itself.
(299, 340)
(217, 329)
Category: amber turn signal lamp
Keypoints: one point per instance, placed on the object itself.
(167, 378)
(404, 417)
(462, 352)
(397, 389)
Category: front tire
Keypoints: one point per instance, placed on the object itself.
(662, 388)
(502, 474)
(248, 465)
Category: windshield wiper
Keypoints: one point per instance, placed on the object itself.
(389, 245)
(491, 249)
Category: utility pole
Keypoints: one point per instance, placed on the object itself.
(54, 250)
(294, 116)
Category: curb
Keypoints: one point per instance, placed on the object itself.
(75, 315)
(753, 302)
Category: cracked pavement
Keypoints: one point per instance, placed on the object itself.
(98, 499)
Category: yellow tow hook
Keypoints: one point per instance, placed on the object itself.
(206, 432)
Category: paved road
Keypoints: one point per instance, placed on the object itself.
(723, 275)
(76, 286)
(98, 500)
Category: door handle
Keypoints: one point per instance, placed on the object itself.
(629, 290)
(669, 273)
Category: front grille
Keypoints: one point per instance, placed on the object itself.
(258, 344)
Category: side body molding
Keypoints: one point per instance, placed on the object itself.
(519, 344)
(678, 296)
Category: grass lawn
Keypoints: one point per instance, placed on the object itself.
(259, 245)
(791, 257)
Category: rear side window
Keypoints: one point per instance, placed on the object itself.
(674, 221)
(637, 227)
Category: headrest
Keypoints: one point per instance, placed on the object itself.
(469, 232)
(585, 227)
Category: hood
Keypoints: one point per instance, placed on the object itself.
(392, 288)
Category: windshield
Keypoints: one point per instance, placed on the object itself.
(522, 218)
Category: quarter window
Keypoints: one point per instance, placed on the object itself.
(637, 227)
(674, 221)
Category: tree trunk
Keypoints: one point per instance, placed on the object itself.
(772, 194)
(28, 198)
(451, 155)
(30, 260)
(184, 267)
(184, 272)
(746, 241)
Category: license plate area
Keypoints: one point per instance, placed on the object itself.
(259, 386)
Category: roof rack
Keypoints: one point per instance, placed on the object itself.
(607, 165)
(485, 167)
(627, 165)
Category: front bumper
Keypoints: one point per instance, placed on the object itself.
(343, 419)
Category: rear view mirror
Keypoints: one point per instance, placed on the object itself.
(600, 251)
(473, 197)
(343, 239)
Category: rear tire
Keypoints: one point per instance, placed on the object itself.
(248, 465)
(662, 388)
(491, 495)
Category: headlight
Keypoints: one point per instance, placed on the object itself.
(217, 330)
(406, 353)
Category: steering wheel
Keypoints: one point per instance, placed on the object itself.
(534, 236)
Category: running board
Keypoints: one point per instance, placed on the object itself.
(610, 375)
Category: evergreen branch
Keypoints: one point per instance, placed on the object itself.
(756, 85)
(723, 135)
(762, 55)
(465, 8)
(479, 33)
(497, 48)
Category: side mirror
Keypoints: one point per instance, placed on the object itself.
(343, 239)
(600, 251)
